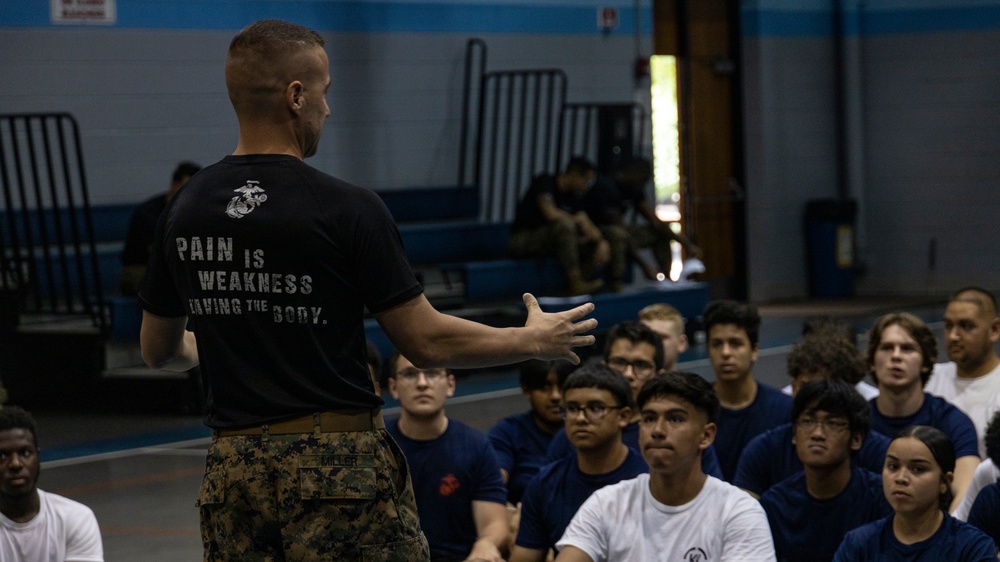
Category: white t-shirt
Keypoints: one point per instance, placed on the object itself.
(986, 473)
(979, 398)
(63, 531)
(624, 523)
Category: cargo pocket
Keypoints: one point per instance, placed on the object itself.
(212, 497)
(412, 550)
(349, 477)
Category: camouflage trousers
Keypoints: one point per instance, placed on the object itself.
(309, 497)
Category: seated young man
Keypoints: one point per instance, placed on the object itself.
(988, 471)
(827, 327)
(747, 407)
(668, 323)
(461, 499)
(770, 457)
(901, 353)
(598, 405)
(521, 441)
(696, 516)
(810, 512)
(634, 351)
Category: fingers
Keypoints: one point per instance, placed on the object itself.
(530, 302)
(580, 311)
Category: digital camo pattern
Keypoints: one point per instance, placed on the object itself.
(304, 498)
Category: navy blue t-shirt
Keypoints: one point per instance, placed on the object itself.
(557, 492)
(521, 448)
(954, 541)
(448, 474)
(560, 448)
(770, 408)
(985, 512)
(935, 412)
(771, 457)
(806, 529)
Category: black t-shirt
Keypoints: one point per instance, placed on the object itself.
(274, 262)
(529, 214)
(606, 204)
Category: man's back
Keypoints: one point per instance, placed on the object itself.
(62, 531)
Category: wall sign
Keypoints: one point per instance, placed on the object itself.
(101, 12)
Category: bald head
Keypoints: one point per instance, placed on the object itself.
(263, 59)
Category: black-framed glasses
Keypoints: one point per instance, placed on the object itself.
(642, 368)
(413, 374)
(593, 411)
(828, 425)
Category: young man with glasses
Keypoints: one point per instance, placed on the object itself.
(676, 512)
(810, 512)
(636, 352)
(597, 406)
(461, 499)
(747, 407)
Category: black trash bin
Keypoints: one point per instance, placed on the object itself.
(829, 226)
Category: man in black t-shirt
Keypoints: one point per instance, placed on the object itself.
(550, 221)
(273, 263)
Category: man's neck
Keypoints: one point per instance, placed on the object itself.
(21, 509)
(421, 428)
(899, 402)
(825, 483)
(981, 370)
(602, 460)
(677, 488)
(267, 138)
(736, 394)
(548, 429)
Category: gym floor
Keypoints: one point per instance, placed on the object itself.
(140, 472)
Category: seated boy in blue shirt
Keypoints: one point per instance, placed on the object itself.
(461, 499)
(810, 512)
(598, 405)
(770, 457)
(521, 440)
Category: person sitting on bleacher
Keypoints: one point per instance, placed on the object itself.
(550, 222)
(141, 226)
(607, 203)
(522, 440)
(460, 495)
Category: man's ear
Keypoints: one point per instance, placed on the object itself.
(293, 95)
(708, 436)
(624, 415)
(682, 343)
(392, 388)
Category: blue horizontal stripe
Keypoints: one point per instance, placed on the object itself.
(777, 23)
(345, 16)
(124, 443)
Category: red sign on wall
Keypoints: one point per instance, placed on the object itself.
(607, 18)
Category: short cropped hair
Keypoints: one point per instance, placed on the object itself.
(688, 386)
(831, 354)
(16, 417)
(837, 398)
(743, 315)
(917, 329)
(662, 311)
(829, 326)
(580, 166)
(984, 299)
(534, 373)
(600, 376)
(185, 170)
(257, 59)
(943, 451)
(635, 332)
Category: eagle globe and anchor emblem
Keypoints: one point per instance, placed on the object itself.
(241, 205)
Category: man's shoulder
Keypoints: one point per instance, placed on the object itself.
(512, 425)
(64, 507)
(772, 395)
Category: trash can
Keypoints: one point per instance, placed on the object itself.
(829, 226)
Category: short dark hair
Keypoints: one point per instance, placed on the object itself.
(16, 417)
(917, 329)
(599, 375)
(689, 386)
(986, 299)
(185, 170)
(534, 373)
(743, 315)
(829, 326)
(635, 332)
(830, 353)
(579, 166)
(992, 439)
(837, 398)
(943, 451)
